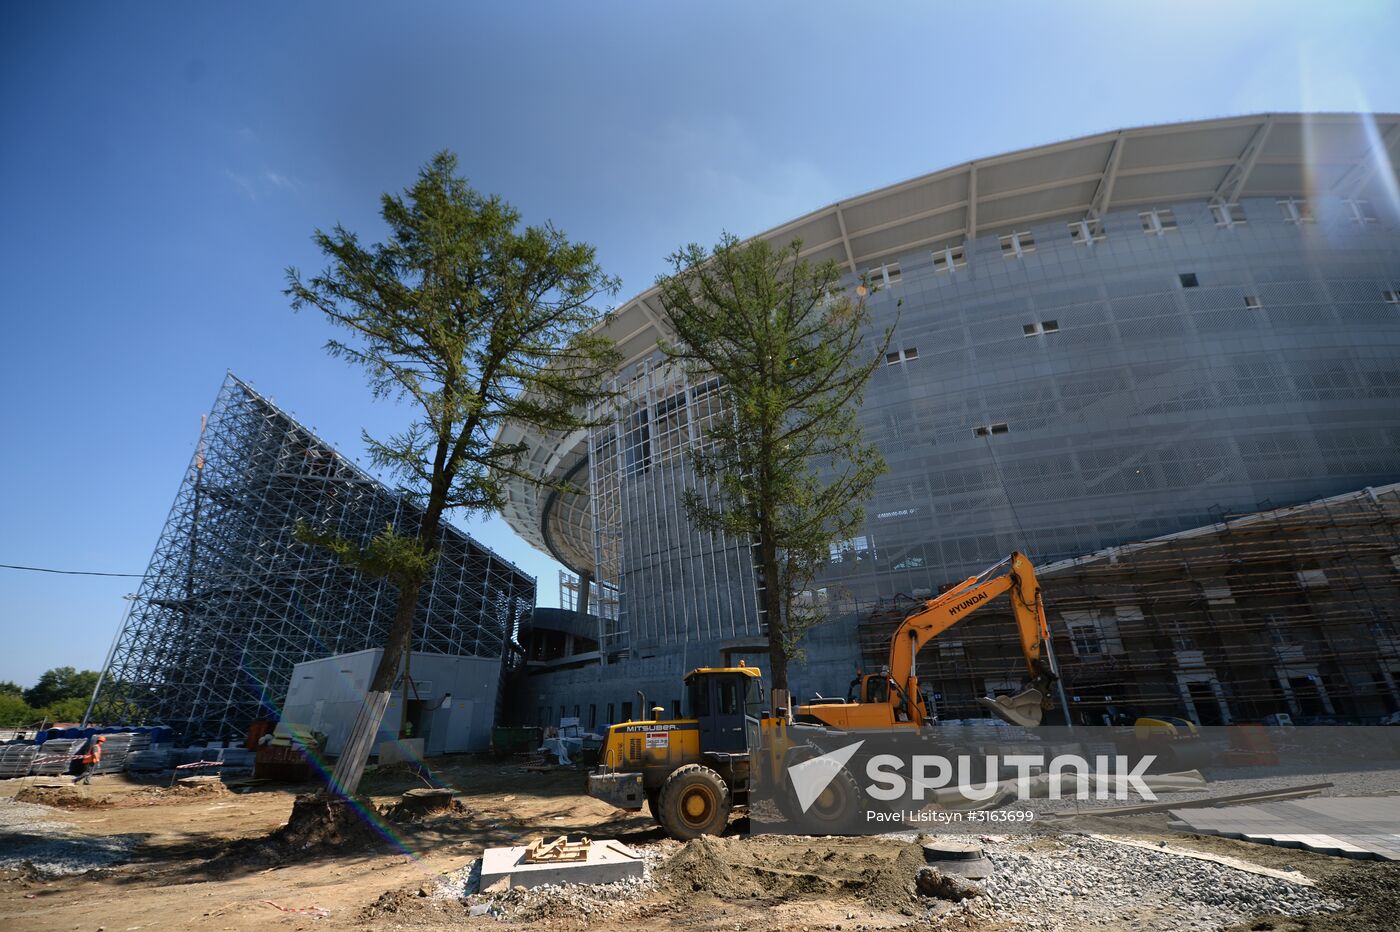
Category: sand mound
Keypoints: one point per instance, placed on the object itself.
(74, 797)
(877, 872)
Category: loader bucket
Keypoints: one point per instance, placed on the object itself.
(1026, 708)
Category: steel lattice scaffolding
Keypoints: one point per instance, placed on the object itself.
(231, 601)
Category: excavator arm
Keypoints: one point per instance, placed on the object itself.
(942, 613)
(892, 698)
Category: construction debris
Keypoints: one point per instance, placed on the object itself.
(558, 861)
(558, 851)
(930, 881)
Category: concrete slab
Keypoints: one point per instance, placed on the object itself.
(1363, 827)
(400, 751)
(608, 861)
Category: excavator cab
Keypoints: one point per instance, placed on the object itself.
(880, 688)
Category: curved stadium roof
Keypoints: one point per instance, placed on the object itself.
(1267, 155)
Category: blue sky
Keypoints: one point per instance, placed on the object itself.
(160, 166)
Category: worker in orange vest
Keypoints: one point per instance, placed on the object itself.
(90, 760)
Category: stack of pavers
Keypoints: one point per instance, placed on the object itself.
(115, 749)
(54, 755)
(141, 755)
(16, 759)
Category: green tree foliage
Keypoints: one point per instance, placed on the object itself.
(10, 688)
(474, 321)
(61, 683)
(14, 711)
(70, 709)
(790, 464)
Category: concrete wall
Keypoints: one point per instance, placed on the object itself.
(325, 695)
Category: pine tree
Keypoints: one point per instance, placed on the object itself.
(787, 342)
(474, 322)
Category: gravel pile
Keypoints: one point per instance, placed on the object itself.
(1040, 883)
(54, 848)
(1075, 882)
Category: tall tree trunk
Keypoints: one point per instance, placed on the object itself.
(399, 638)
(345, 780)
(773, 609)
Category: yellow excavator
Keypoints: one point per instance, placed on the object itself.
(691, 772)
(892, 698)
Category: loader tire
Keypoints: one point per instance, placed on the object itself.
(694, 801)
(654, 804)
(838, 810)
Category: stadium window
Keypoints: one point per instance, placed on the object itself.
(1017, 244)
(636, 443)
(911, 352)
(946, 260)
(892, 359)
(991, 430)
(1158, 221)
(883, 276)
(592, 716)
(855, 548)
(1228, 215)
(1252, 301)
(1361, 212)
(1189, 280)
(627, 711)
(1050, 326)
(1391, 297)
(950, 650)
(1030, 330)
(981, 431)
(898, 356)
(1001, 429)
(611, 720)
(675, 708)
(1087, 232)
(1296, 210)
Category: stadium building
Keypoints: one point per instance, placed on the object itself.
(1163, 361)
(1150, 335)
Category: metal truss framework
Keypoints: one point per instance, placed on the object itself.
(231, 601)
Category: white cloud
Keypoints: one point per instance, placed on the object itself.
(263, 183)
(278, 180)
(242, 183)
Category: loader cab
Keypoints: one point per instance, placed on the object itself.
(726, 701)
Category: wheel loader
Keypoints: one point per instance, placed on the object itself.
(692, 772)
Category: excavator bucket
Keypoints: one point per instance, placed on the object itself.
(1026, 708)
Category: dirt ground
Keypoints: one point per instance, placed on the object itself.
(198, 863)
